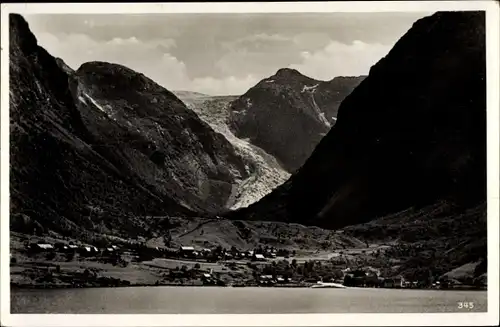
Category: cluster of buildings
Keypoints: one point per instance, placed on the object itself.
(270, 280)
(190, 252)
(84, 250)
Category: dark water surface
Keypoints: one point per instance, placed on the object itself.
(223, 300)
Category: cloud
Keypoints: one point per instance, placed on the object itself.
(225, 49)
(239, 68)
(150, 57)
(224, 86)
(340, 59)
(241, 63)
(311, 40)
(260, 38)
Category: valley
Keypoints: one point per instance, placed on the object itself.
(265, 172)
(384, 172)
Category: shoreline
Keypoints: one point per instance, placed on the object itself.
(15, 286)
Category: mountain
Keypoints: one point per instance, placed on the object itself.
(265, 173)
(169, 148)
(288, 113)
(189, 95)
(410, 136)
(97, 149)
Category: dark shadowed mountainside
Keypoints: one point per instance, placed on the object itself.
(288, 113)
(94, 149)
(411, 135)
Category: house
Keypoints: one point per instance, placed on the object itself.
(259, 257)
(208, 279)
(88, 250)
(394, 282)
(399, 282)
(61, 247)
(269, 254)
(266, 280)
(280, 280)
(187, 251)
(41, 247)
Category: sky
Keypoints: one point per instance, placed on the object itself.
(224, 54)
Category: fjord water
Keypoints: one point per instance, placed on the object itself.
(209, 300)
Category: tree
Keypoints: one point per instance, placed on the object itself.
(70, 255)
(50, 255)
(311, 265)
(348, 281)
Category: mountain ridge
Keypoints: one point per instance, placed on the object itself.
(399, 150)
(288, 113)
(96, 149)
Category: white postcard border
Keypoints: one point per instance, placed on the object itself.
(452, 319)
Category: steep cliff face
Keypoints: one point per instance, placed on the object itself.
(97, 149)
(413, 133)
(156, 138)
(288, 113)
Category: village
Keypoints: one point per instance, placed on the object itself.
(50, 266)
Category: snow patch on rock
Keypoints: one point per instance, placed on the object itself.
(94, 103)
(310, 88)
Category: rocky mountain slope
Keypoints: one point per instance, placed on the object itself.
(93, 150)
(411, 135)
(162, 142)
(265, 173)
(288, 113)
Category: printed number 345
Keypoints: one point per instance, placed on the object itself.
(465, 305)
